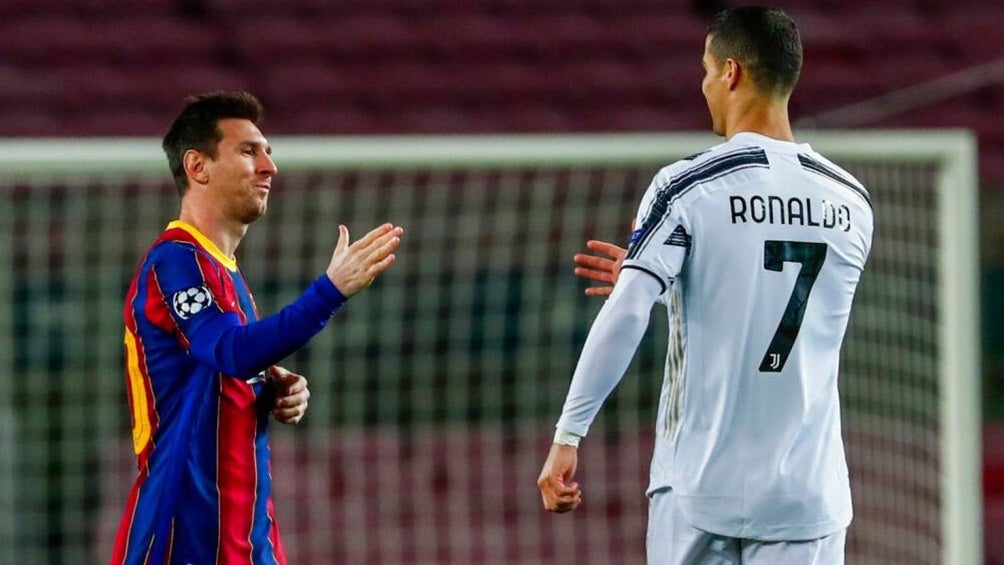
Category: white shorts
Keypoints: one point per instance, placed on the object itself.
(672, 541)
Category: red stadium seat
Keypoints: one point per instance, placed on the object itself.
(529, 65)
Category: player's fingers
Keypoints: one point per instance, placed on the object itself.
(565, 499)
(552, 502)
(284, 412)
(289, 411)
(383, 247)
(296, 387)
(599, 290)
(292, 398)
(568, 504)
(592, 274)
(593, 262)
(378, 250)
(374, 234)
(289, 417)
(556, 487)
(610, 249)
(282, 375)
(377, 269)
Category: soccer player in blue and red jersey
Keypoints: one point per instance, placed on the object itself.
(200, 364)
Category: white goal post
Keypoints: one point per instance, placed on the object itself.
(910, 372)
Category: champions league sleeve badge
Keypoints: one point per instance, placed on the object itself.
(191, 301)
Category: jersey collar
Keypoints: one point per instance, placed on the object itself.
(229, 262)
(751, 138)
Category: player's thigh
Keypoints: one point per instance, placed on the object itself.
(822, 551)
(670, 540)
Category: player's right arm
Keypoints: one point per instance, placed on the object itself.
(216, 336)
(608, 350)
(559, 492)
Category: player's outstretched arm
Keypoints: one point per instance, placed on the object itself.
(354, 266)
(220, 338)
(291, 395)
(559, 492)
(600, 269)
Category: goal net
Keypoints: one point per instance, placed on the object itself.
(434, 393)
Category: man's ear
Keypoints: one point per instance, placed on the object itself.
(195, 166)
(733, 70)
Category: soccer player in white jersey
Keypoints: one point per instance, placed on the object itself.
(756, 246)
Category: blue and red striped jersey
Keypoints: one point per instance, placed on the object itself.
(197, 374)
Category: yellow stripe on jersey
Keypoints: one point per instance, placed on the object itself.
(140, 416)
(229, 262)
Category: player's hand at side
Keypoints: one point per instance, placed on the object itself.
(354, 266)
(600, 269)
(291, 395)
(559, 492)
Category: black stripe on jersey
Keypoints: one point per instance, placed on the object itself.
(677, 186)
(662, 283)
(810, 164)
(695, 155)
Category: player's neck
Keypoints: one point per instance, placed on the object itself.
(225, 234)
(767, 118)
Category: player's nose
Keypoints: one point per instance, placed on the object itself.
(266, 165)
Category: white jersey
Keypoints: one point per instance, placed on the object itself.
(760, 244)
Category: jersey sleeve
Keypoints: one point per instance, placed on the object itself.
(191, 291)
(662, 238)
(609, 348)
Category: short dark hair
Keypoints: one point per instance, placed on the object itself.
(197, 127)
(763, 40)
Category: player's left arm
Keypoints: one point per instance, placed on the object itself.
(190, 284)
(291, 395)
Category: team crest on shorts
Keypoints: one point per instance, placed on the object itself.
(191, 301)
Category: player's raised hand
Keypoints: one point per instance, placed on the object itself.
(291, 395)
(559, 492)
(354, 266)
(600, 269)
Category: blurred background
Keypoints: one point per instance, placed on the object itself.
(89, 68)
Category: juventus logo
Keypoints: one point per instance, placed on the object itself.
(775, 360)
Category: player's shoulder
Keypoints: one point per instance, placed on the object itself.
(171, 256)
(709, 164)
(816, 163)
(168, 248)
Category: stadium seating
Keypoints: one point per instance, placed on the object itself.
(403, 66)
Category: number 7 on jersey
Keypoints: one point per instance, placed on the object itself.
(775, 255)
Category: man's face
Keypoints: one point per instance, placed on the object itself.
(241, 175)
(715, 88)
